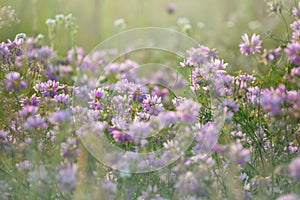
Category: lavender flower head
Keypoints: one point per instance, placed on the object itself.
(296, 12)
(28, 110)
(67, 177)
(62, 98)
(33, 101)
(14, 82)
(252, 46)
(239, 154)
(49, 88)
(35, 122)
(272, 100)
(296, 25)
(152, 105)
(188, 111)
(293, 52)
(59, 116)
(199, 56)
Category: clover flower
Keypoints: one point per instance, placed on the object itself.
(188, 111)
(295, 36)
(33, 101)
(152, 105)
(119, 135)
(199, 56)
(295, 72)
(293, 52)
(14, 82)
(296, 12)
(67, 177)
(252, 46)
(59, 116)
(295, 25)
(28, 110)
(271, 56)
(62, 98)
(49, 88)
(272, 100)
(35, 122)
(239, 154)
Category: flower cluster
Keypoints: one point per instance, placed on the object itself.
(236, 135)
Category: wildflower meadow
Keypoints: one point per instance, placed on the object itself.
(150, 113)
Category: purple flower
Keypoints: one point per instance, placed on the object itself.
(248, 47)
(177, 101)
(59, 116)
(15, 47)
(295, 72)
(67, 177)
(143, 116)
(199, 56)
(139, 130)
(197, 79)
(296, 25)
(187, 183)
(35, 122)
(167, 118)
(207, 138)
(231, 104)
(295, 36)
(33, 101)
(44, 53)
(3, 134)
(239, 154)
(293, 52)
(226, 86)
(253, 94)
(139, 94)
(271, 56)
(188, 111)
(28, 110)
(272, 100)
(62, 98)
(14, 82)
(294, 168)
(219, 64)
(119, 135)
(79, 56)
(52, 72)
(152, 105)
(243, 81)
(70, 149)
(296, 12)
(49, 88)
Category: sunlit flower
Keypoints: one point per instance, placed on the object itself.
(252, 46)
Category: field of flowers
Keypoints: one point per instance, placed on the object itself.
(150, 114)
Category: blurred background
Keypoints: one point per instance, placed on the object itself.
(214, 23)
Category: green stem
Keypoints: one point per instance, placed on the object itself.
(286, 26)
